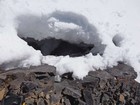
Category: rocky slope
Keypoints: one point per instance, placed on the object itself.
(42, 86)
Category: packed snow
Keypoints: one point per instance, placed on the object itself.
(111, 25)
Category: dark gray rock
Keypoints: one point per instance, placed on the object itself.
(81, 102)
(122, 70)
(1, 81)
(88, 97)
(66, 101)
(54, 99)
(51, 70)
(28, 86)
(58, 88)
(72, 92)
(30, 101)
(41, 101)
(12, 99)
(102, 74)
(90, 81)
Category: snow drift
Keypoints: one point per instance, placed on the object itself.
(110, 25)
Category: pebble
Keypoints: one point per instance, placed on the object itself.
(121, 98)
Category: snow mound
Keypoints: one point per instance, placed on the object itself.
(110, 25)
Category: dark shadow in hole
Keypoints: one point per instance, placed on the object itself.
(59, 47)
(68, 76)
(41, 77)
(40, 73)
(72, 100)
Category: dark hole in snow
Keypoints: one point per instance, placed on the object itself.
(58, 47)
(68, 76)
(78, 36)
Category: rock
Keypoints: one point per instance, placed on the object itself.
(54, 99)
(12, 99)
(43, 68)
(28, 86)
(88, 97)
(81, 102)
(30, 101)
(133, 102)
(58, 87)
(2, 93)
(41, 95)
(90, 81)
(122, 98)
(66, 101)
(122, 70)
(71, 92)
(102, 84)
(47, 96)
(17, 82)
(1, 81)
(32, 95)
(41, 101)
(102, 74)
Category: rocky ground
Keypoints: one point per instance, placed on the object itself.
(41, 86)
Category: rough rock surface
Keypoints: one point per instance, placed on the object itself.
(38, 86)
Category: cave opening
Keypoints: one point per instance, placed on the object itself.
(58, 47)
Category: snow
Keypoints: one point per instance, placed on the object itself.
(95, 22)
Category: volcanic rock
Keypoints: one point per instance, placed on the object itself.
(38, 86)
